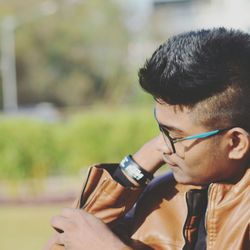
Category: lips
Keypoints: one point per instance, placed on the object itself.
(171, 164)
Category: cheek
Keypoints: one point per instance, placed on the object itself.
(199, 163)
(191, 149)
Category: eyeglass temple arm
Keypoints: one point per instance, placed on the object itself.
(199, 136)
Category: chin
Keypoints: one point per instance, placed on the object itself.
(188, 180)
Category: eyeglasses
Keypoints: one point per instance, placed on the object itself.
(170, 141)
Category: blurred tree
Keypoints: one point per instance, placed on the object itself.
(74, 57)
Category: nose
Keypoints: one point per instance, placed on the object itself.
(167, 151)
(165, 147)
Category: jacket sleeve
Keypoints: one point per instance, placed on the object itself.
(104, 197)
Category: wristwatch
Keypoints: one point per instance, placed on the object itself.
(133, 170)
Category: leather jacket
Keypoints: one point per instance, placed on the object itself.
(167, 214)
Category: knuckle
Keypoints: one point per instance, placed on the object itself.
(53, 220)
(65, 210)
(80, 212)
(70, 226)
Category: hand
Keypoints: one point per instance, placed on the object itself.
(80, 230)
(150, 155)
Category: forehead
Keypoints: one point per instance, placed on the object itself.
(175, 116)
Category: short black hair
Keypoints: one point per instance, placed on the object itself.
(210, 67)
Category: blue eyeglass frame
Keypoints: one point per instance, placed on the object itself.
(197, 136)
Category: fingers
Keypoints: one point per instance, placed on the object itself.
(75, 214)
(70, 219)
(60, 239)
(81, 229)
(68, 212)
(60, 223)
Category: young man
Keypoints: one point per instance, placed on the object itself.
(201, 83)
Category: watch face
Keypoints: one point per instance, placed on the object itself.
(133, 170)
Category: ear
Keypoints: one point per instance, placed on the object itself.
(239, 143)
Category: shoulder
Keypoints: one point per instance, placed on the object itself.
(160, 184)
(163, 187)
(160, 188)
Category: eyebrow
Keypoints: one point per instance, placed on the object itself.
(170, 128)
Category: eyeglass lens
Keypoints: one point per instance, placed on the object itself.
(168, 140)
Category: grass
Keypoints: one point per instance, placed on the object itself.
(26, 227)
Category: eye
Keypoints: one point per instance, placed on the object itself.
(176, 139)
(174, 135)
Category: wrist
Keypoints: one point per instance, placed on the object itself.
(150, 165)
(134, 171)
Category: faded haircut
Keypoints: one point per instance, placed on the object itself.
(205, 70)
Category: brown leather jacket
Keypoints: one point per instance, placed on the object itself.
(166, 214)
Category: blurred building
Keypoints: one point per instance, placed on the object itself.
(153, 21)
(174, 16)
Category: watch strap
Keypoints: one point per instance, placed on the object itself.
(133, 170)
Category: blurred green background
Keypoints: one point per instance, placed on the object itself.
(31, 151)
(26, 227)
(69, 98)
(32, 148)
(69, 95)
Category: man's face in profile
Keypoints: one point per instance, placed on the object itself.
(198, 161)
